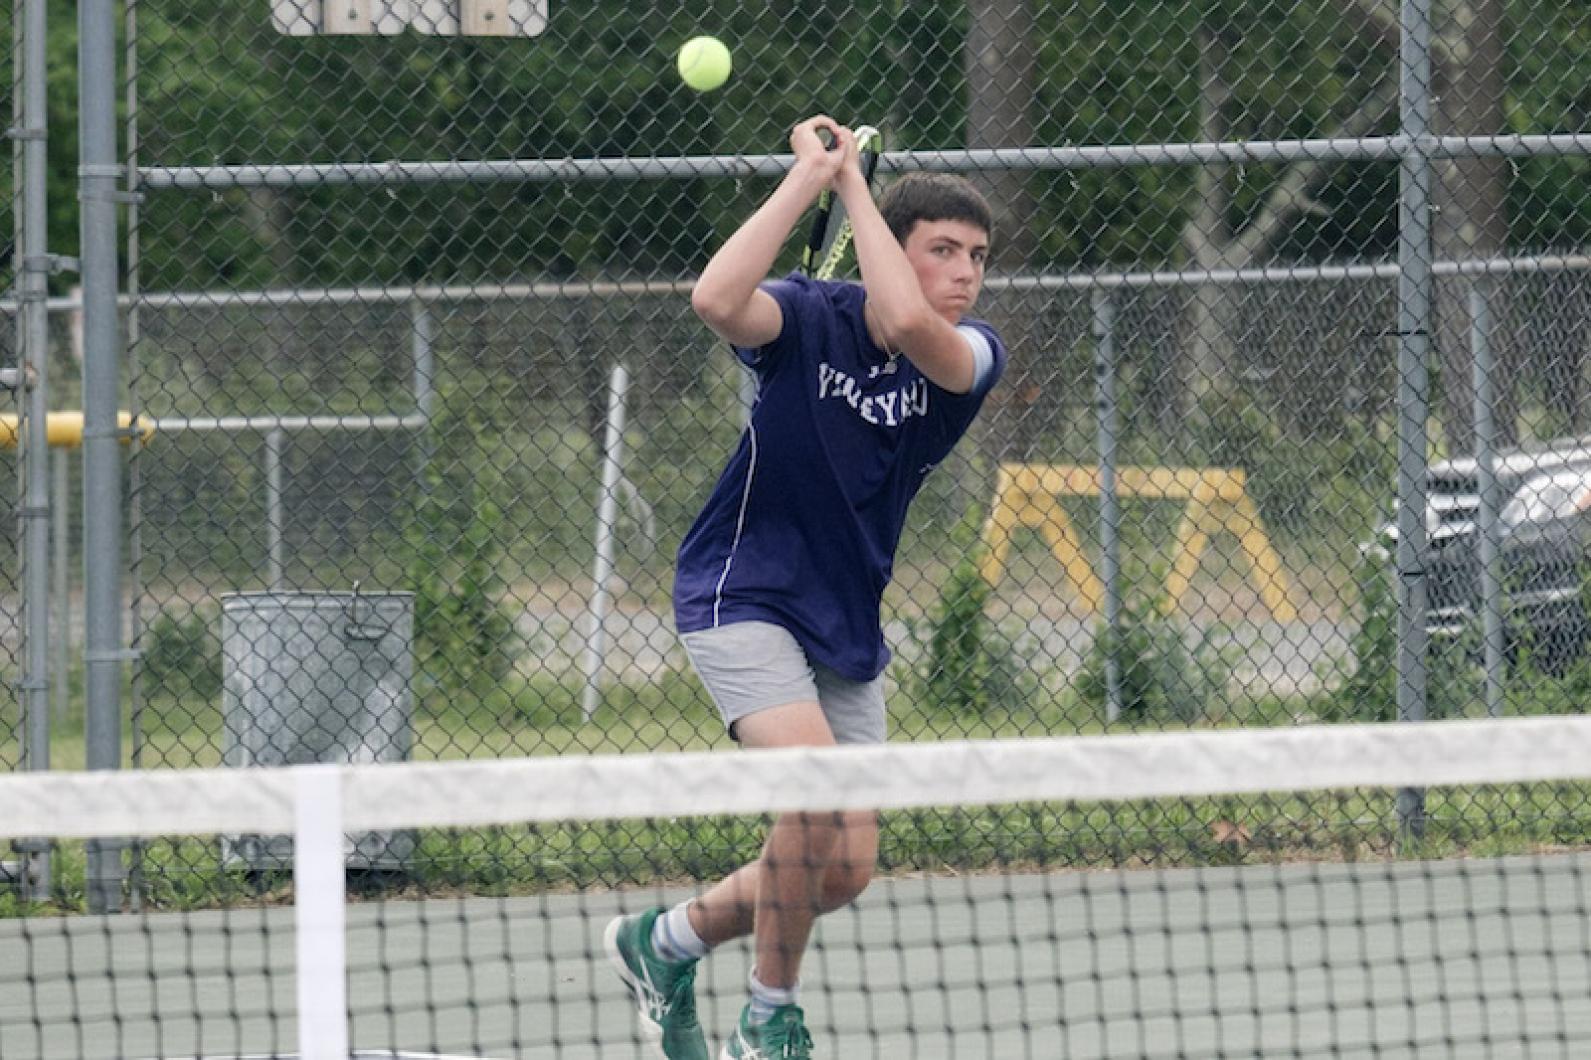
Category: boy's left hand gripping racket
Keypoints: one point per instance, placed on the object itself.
(830, 237)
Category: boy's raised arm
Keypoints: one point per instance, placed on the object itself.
(909, 323)
(726, 295)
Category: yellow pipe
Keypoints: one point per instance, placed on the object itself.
(64, 430)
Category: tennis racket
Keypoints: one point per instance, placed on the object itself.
(830, 237)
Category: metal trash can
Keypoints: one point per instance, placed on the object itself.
(314, 677)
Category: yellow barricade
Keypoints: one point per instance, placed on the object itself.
(1028, 495)
(64, 430)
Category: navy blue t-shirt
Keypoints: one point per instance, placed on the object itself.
(802, 526)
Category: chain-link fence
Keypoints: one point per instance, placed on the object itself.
(401, 307)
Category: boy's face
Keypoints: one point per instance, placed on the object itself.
(948, 258)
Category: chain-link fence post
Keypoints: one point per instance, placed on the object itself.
(1107, 413)
(104, 609)
(1414, 349)
(1491, 605)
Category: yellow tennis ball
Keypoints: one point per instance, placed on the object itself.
(704, 63)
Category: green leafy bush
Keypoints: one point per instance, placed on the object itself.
(464, 633)
(1370, 692)
(967, 665)
(182, 654)
(1161, 676)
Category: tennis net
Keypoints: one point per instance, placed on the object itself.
(1394, 890)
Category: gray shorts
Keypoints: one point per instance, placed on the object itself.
(751, 666)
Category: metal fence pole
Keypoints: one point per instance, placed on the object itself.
(60, 578)
(607, 519)
(98, 175)
(33, 291)
(422, 350)
(1109, 504)
(422, 345)
(275, 440)
(1486, 454)
(1414, 347)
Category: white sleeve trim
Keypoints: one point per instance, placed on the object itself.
(982, 355)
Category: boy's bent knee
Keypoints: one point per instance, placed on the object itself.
(855, 859)
(845, 882)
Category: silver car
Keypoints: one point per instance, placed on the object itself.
(1544, 542)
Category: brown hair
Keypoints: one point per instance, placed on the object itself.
(923, 196)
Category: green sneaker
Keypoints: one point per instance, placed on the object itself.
(664, 991)
(783, 1037)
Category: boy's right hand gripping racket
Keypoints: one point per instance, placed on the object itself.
(830, 237)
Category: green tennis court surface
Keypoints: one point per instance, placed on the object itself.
(1449, 958)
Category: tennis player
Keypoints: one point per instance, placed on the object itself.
(862, 390)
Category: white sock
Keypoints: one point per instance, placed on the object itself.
(673, 938)
(764, 999)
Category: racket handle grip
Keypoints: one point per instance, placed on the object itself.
(820, 228)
